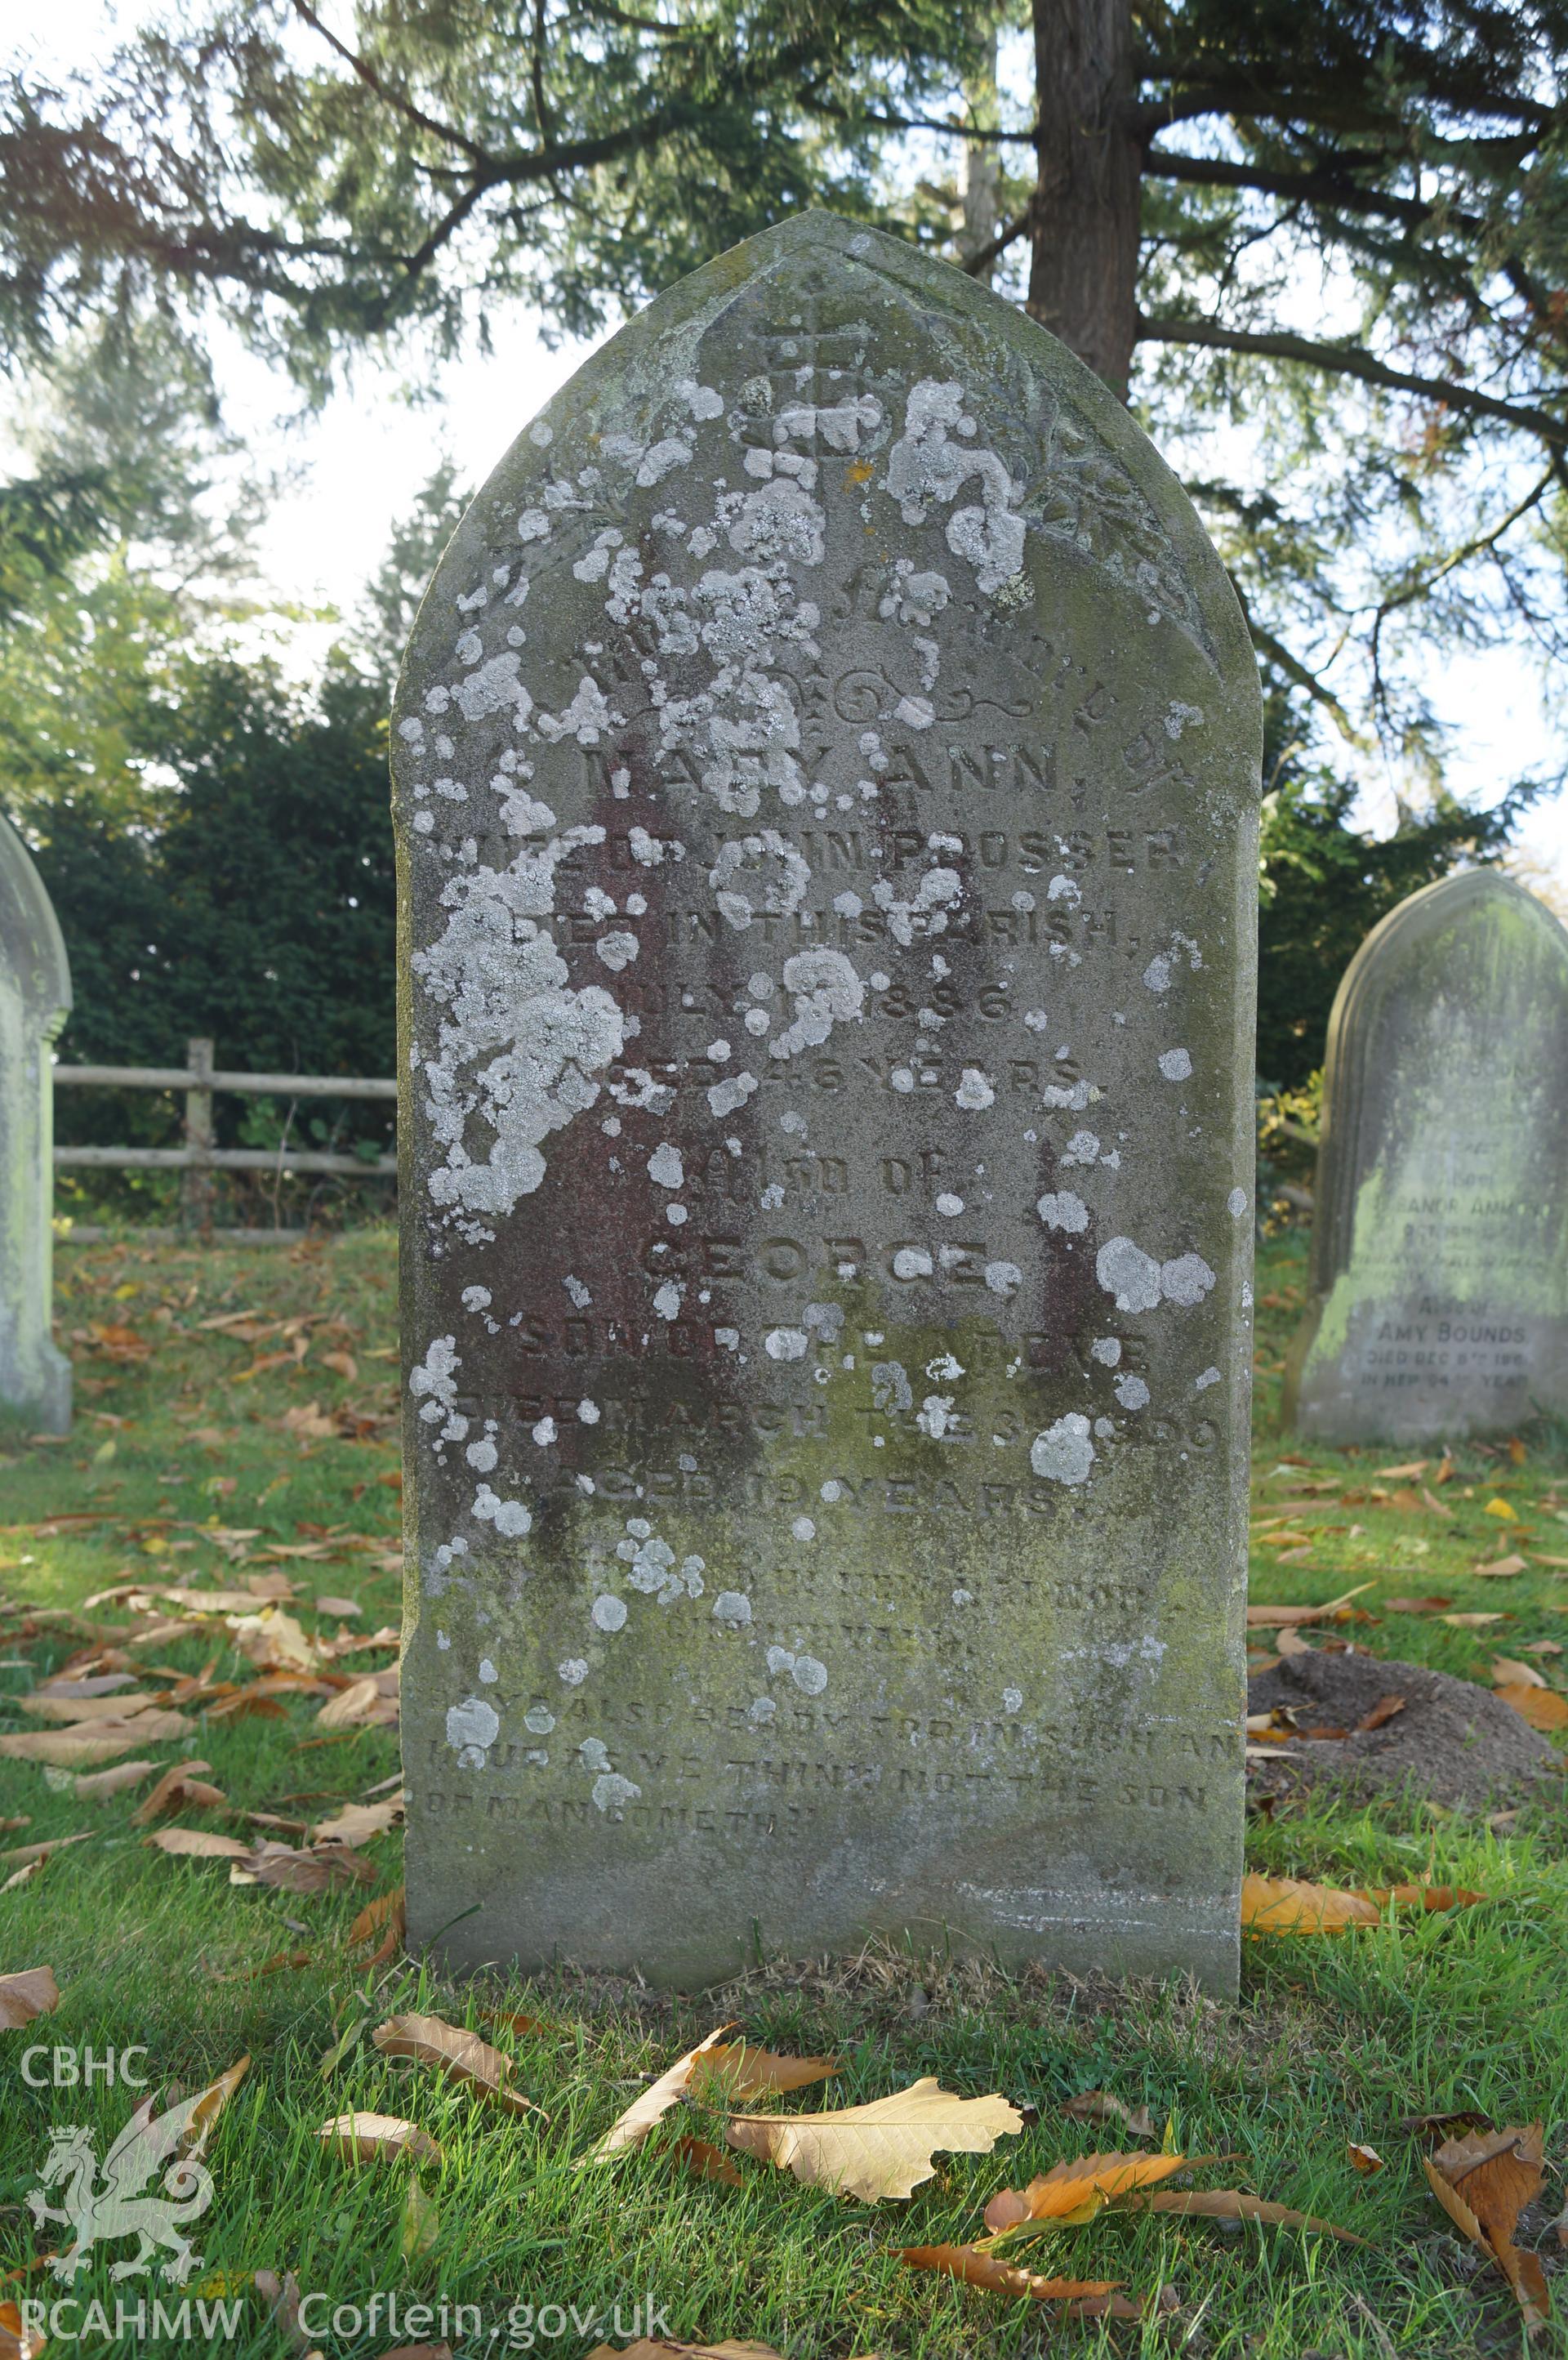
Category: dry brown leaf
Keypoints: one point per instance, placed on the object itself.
(1416, 1605)
(342, 1364)
(72, 1749)
(174, 1790)
(340, 1606)
(1483, 2182)
(630, 2128)
(31, 1992)
(21, 1854)
(1104, 2106)
(274, 1642)
(198, 1843)
(1280, 1904)
(1423, 1896)
(883, 2149)
(514, 2020)
(1363, 2158)
(1439, 2125)
(79, 1712)
(1508, 1672)
(646, 2348)
(1079, 2297)
(737, 2073)
(18, 2341)
(210, 2104)
(1499, 1569)
(1072, 2192)
(1236, 2204)
(377, 2138)
(1406, 1474)
(360, 1705)
(1542, 1708)
(1476, 1622)
(93, 1786)
(1287, 1617)
(705, 2161)
(429, 2040)
(359, 1822)
(1384, 1709)
(385, 1917)
(311, 1871)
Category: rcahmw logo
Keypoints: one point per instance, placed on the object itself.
(104, 2203)
(68, 2320)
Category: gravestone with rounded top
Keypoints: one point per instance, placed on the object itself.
(35, 1000)
(1439, 1243)
(826, 782)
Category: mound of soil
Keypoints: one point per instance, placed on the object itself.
(1452, 1740)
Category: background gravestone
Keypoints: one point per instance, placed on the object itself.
(1439, 1240)
(35, 1000)
(826, 782)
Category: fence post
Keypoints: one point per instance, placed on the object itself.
(196, 1191)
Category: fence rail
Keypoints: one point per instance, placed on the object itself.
(199, 1158)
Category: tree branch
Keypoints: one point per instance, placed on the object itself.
(1350, 360)
(1322, 188)
(447, 133)
(1008, 234)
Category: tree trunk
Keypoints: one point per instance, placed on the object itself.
(1083, 267)
(981, 168)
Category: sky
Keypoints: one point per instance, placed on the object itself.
(355, 467)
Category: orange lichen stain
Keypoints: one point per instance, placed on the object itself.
(861, 472)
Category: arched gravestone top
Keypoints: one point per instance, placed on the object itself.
(826, 783)
(33, 948)
(35, 1000)
(1439, 1267)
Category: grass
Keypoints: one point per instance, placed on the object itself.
(1332, 2039)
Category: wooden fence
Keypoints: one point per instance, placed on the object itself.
(198, 1159)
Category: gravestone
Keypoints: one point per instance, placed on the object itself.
(35, 1000)
(826, 782)
(1438, 1282)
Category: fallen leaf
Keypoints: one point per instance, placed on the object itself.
(1364, 2159)
(340, 1606)
(274, 1642)
(1440, 2125)
(740, 2073)
(22, 1877)
(311, 1871)
(1483, 2182)
(1081, 2297)
(1474, 1622)
(18, 2341)
(71, 1749)
(1438, 1507)
(174, 1789)
(93, 1786)
(29, 1993)
(1104, 2106)
(281, 1962)
(1404, 1474)
(1542, 1708)
(385, 1917)
(512, 2020)
(1543, 1647)
(429, 2040)
(198, 1843)
(342, 1364)
(78, 1712)
(208, 2106)
(1507, 1672)
(20, 1854)
(1285, 1617)
(704, 2161)
(630, 2128)
(1415, 1605)
(1501, 1509)
(359, 1822)
(646, 2349)
(1283, 1905)
(1499, 1569)
(1071, 2193)
(1424, 1897)
(883, 2149)
(376, 2138)
(1384, 1709)
(361, 1704)
(1236, 2204)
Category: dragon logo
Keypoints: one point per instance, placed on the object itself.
(109, 2203)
